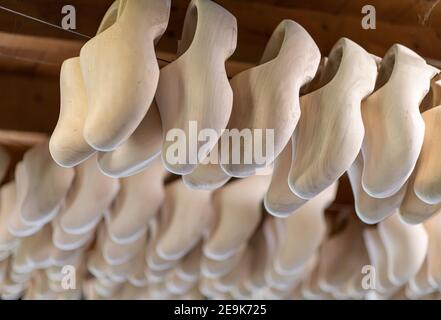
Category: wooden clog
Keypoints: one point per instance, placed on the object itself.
(7, 205)
(238, 209)
(66, 241)
(90, 196)
(340, 257)
(217, 268)
(267, 96)
(208, 176)
(189, 267)
(420, 285)
(406, 247)
(157, 265)
(45, 187)
(38, 253)
(302, 233)
(138, 200)
(117, 254)
(279, 200)
(121, 73)
(433, 225)
(413, 210)
(138, 152)
(394, 126)
(67, 144)
(378, 259)
(330, 131)
(427, 183)
(369, 209)
(175, 241)
(15, 223)
(195, 86)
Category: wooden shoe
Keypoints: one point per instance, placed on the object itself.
(63, 240)
(90, 196)
(420, 285)
(175, 242)
(238, 210)
(189, 268)
(117, 254)
(433, 226)
(138, 200)
(67, 144)
(332, 115)
(14, 221)
(139, 277)
(138, 152)
(42, 186)
(7, 205)
(38, 253)
(406, 247)
(267, 96)
(394, 126)
(121, 73)
(413, 210)
(279, 200)
(191, 91)
(378, 259)
(302, 233)
(336, 265)
(427, 183)
(158, 266)
(217, 268)
(209, 176)
(371, 210)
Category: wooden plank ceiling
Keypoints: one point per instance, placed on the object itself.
(31, 53)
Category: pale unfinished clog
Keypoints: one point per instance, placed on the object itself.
(121, 73)
(90, 196)
(7, 206)
(378, 259)
(330, 131)
(427, 183)
(433, 227)
(394, 126)
(369, 209)
(15, 223)
(42, 186)
(279, 200)
(175, 242)
(238, 209)
(195, 86)
(413, 210)
(406, 247)
(138, 200)
(138, 152)
(67, 144)
(302, 233)
(267, 96)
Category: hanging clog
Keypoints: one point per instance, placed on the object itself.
(330, 131)
(121, 73)
(394, 126)
(266, 97)
(194, 90)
